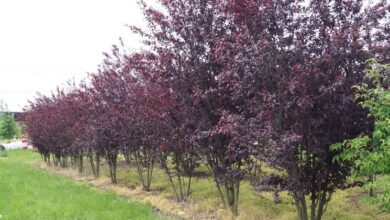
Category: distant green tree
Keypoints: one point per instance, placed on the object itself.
(8, 127)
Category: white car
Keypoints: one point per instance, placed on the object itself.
(20, 144)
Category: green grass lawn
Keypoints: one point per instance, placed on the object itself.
(27, 192)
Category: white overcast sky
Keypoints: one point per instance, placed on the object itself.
(44, 43)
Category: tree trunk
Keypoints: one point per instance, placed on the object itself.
(300, 203)
(112, 165)
(81, 164)
(128, 159)
(90, 157)
(97, 165)
(145, 160)
(371, 190)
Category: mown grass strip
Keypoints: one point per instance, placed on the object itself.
(30, 193)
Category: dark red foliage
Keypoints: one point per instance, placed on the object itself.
(188, 41)
(50, 123)
(294, 66)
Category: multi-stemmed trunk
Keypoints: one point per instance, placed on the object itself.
(229, 190)
(127, 158)
(94, 163)
(255, 172)
(182, 171)
(319, 196)
(111, 160)
(64, 160)
(228, 186)
(46, 158)
(318, 203)
(144, 159)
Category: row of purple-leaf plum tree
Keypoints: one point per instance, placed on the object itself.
(226, 84)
